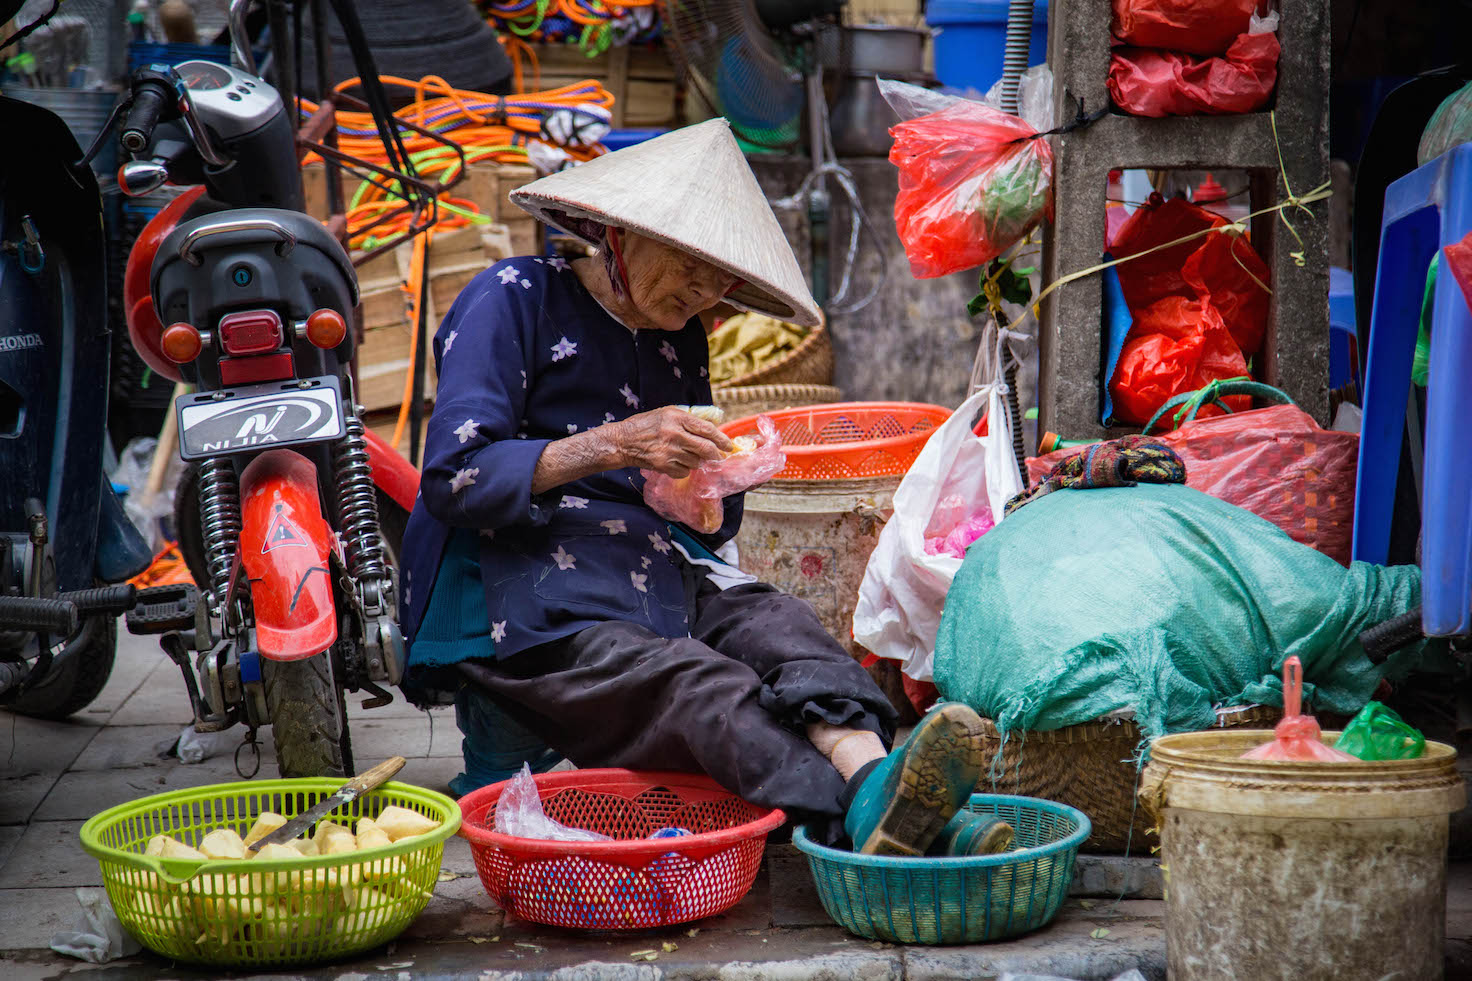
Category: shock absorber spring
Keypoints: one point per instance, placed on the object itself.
(357, 505)
(219, 513)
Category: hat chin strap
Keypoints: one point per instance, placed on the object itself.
(615, 245)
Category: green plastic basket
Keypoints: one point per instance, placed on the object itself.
(956, 900)
(261, 912)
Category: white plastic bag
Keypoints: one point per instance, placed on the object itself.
(98, 936)
(519, 812)
(904, 588)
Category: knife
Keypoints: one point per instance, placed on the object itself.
(350, 791)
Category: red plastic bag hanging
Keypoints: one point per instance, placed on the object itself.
(1221, 267)
(1176, 345)
(1204, 27)
(1297, 736)
(1150, 82)
(967, 191)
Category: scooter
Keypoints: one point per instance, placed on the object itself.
(234, 290)
(66, 546)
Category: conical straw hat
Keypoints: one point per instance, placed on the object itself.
(693, 190)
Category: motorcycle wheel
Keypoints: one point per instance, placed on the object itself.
(309, 721)
(73, 684)
(392, 519)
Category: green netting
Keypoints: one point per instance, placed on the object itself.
(1161, 599)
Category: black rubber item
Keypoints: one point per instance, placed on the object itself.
(112, 600)
(1389, 636)
(52, 616)
(150, 99)
(161, 609)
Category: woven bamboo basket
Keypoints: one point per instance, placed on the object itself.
(753, 400)
(810, 363)
(1091, 766)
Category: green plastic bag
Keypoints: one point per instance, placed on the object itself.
(1162, 600)
(1379, 733)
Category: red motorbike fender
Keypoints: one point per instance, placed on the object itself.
(284, 546)
(392, 474)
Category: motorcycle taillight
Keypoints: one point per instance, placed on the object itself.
(250, 332)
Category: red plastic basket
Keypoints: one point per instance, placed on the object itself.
(633, 883)
(849, 439)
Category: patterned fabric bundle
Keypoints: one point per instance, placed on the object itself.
(1122, 462)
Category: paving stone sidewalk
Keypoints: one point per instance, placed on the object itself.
(53, 776)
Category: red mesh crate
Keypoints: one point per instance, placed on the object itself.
(633, 883)
(849, 439)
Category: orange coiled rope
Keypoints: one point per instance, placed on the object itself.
(487, 127)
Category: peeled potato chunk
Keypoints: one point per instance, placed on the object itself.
(370, 835)
(338, 844)
(173, 848)
(223, 843)
(266, 822)
(400, 822)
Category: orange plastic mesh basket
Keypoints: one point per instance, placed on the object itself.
(849, 439)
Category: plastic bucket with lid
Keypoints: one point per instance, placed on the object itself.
(1278, 868)
(971, 36)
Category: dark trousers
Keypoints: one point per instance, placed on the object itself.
(731, 700)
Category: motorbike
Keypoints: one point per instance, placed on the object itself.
(284, 511)
(66, 545)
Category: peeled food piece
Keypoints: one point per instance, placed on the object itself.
(338, 844)
(303, 846)
(155, 845)
(223, 843)
(710, 413)
(173, 848)
(267, 822)
(400, 822)
(370, 835)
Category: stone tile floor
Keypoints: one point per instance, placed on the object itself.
(54, 775)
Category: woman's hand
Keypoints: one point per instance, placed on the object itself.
(670, 441)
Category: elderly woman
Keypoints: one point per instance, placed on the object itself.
(559, 607)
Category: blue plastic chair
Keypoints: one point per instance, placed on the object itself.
(1428, 208)
(1343, 341)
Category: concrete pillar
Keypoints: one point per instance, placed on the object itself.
(1295, 356)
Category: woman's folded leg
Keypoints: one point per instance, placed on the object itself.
(620, 695)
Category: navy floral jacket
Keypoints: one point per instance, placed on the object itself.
(526, 355)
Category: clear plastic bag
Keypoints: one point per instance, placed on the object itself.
(519, 813)
(697, 501)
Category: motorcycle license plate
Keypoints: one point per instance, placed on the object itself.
(259, 417)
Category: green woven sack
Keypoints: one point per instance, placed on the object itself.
(1160, 599)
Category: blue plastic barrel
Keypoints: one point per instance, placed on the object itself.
(617, 139)
(971, 37)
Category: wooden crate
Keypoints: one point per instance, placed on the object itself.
(490, 184)
(642, 80)
(383, 361)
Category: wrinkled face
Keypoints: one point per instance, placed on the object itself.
(669, 286)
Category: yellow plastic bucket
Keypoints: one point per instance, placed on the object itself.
(1285, 869)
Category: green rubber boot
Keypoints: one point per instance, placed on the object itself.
(972, 834)
(906, 800)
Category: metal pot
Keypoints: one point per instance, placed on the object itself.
(861, 118)
(890, 51)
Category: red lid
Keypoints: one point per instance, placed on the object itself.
(1209, 190)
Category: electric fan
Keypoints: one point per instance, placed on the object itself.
(759, 63)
